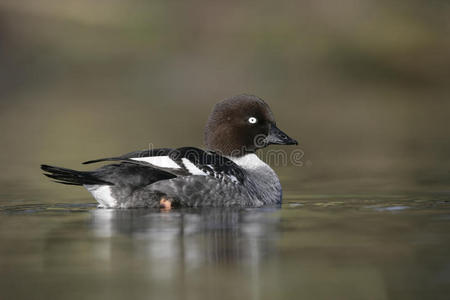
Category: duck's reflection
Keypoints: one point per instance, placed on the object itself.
(190, 238)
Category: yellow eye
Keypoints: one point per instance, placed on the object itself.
(252, 120)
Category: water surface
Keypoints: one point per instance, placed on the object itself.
(313, 247)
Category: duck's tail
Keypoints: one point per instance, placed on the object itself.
(72, 177)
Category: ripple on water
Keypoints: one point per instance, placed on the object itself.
(43, 208)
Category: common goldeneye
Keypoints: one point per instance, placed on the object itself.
(228, 173)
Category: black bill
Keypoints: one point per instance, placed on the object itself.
(278, 137)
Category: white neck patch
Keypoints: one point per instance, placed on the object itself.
(248, 161)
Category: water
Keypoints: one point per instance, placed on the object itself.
(313, 247)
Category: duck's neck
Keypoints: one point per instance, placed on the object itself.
(261, 178)
(249, 162)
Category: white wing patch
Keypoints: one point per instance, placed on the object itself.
(102, 193)
(233, 179)
(192, 168)
(159, 161)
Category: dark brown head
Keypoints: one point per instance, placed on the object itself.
(242, 124)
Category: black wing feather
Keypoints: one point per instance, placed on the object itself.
(210, 162)
(134, 154)
(128, 173)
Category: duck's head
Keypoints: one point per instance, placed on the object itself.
(243, 124)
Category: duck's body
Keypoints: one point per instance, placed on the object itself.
(230, 174)
(250, 183)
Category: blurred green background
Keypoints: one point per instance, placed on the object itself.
(363, 85)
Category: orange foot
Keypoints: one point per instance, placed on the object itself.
(165, 203)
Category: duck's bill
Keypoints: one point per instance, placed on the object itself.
(278, 137)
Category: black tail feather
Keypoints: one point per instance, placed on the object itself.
(71, 177)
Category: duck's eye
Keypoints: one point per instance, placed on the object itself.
(252, 120)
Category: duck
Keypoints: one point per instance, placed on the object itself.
(226, 173)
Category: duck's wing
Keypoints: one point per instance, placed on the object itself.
(134, 154)
(207, 163)
(184, 162)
